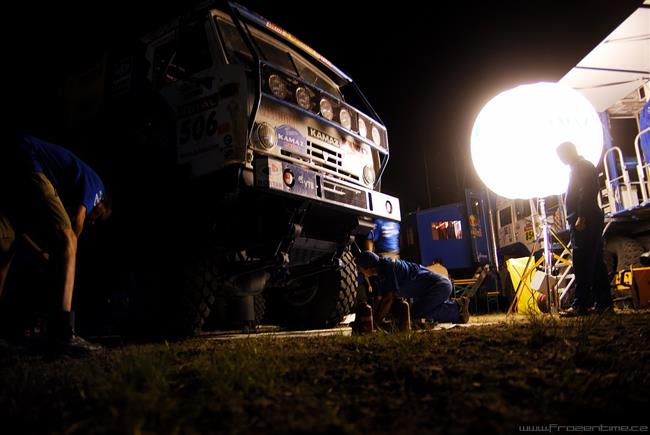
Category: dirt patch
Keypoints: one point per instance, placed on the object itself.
(490, 378)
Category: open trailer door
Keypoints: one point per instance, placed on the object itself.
(479, 226)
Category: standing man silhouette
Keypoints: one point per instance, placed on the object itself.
(586, 221)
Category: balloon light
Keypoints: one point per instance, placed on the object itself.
(515, 136)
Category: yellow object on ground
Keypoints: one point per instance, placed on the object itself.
(525, 297)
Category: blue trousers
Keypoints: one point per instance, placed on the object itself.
(431, 301)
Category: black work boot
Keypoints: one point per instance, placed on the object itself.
(64, 339)
(463, 309)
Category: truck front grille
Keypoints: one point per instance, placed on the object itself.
(322, 159)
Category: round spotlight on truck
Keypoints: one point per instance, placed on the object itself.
(345, 118)
(326, 109)
(278, 86)
(368, 174)
(266, 135)
(363, 130)
(515, 136)
(303, 98)
(376, 137)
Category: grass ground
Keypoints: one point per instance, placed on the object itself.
(490, 378)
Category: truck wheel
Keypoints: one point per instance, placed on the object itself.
(321, 301)
(260, 308)
(626, 253)
(609, 258)
(644, 241)
(197, 295)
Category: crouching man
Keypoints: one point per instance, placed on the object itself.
(48, 196)
(429, 291)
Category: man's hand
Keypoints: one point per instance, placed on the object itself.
(581, 223)
(34, 247)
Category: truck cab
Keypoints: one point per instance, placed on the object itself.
(266, 158)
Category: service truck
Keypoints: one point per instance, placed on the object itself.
(242, 164)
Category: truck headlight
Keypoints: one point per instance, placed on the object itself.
(266, 135)
(345, 118)
(278, 87)
(376, 137)
(363, 130)
(368, 174)
(303, 98)
(326, 109)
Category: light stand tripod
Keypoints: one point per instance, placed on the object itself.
(547, 260)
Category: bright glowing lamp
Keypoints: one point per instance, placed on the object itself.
(515, 136)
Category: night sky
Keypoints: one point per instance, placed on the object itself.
(427, 73)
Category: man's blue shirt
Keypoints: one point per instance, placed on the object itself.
(75, 182)
(385, 236)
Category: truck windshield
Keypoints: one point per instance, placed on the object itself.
(274, 51)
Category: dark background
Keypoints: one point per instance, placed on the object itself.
(426, 67)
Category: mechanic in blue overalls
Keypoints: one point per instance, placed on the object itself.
(45, 201)
(383, 240)
(429, 291)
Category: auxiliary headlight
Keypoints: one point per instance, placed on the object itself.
(278, 86)
(376, 137)
(303, 98)
(363, 130)
(368, 174)
(326, 109)
(345, 118)
(266, 135)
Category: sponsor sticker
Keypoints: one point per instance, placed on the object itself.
(290, 139)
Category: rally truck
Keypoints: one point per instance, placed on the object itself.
(242, 164)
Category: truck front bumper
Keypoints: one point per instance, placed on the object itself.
(293, 180)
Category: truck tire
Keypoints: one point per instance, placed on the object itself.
(321, 301)
(197, 295)
(260, 309)
(644, 241)
(625, 251)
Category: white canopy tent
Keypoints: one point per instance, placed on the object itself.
(617, 67)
